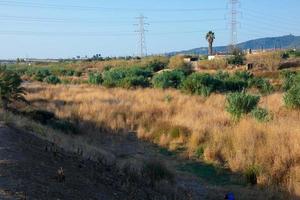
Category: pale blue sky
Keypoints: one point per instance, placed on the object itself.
(67, 28)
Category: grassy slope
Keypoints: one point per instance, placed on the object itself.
(148, 112)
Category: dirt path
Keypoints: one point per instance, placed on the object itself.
(27, 171)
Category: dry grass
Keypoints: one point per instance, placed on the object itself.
(268, 60)
(216, 64)
(184, 121)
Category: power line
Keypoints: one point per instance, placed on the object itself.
(96, 34)
(142, 37)
(77, 7)
(76, 20)
(271, 20)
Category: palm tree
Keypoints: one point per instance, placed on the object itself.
(210, 37)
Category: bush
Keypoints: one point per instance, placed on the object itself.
(134, 81)
(236, 60)
(154, 172)
(42, 74)
(70, 73)
(238, 57)
(251, 175)
(168, 79)
(292, 97)
(127, 77)
(290, 79)
(10, 88)
(201, 84)
(238, 104)
(222, 75)
(261, 114)
(177, 62)
(243, 80)
(199, 152)
(243, 76)
(263, 85)
(157, 63)
(95, 78)
(52, 80)
(233, 83)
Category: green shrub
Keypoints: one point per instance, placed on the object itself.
(155, 171)
(263, 85)
(199, 152)
(222, 75)
(238, 104)
(10, 88)
(290, 79)
(52, 80)
(251, 174)
(95, 78)
(243, 76)
(41, 74)
(261, 114)
(168, 79)
(134, 81)
(292, 97)
(70, 72)
(291, 53)
(238, 57)
(127, 77)
(157, 63)
(201, 84)
(233, 83)
(285, 55)
(236, 60)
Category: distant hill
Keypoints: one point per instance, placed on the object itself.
(287, 41)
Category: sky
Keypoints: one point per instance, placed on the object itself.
(69, 28)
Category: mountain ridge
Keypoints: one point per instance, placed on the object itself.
(282, 42)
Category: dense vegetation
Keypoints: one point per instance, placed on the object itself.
(10, 87)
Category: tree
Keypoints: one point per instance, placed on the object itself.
(10, 88)
(210, 37)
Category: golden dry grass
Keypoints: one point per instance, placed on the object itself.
(216, 64)
(266, 60)
(176, 120)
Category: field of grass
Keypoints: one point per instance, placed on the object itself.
(222, 122)
(189, 123)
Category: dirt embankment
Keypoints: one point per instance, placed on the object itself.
(28, 171)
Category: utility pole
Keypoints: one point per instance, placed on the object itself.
(141, 33)
(233, 22)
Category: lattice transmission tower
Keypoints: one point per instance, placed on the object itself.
(142, 36)
(233, 6)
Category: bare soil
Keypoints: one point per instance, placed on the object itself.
(28, 171)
